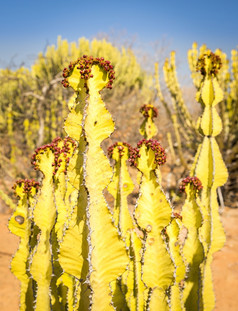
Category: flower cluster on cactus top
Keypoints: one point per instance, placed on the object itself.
(192, 181)
(145, 111)
(28, 184)
(54, 147)
(153, 144)
(84, 64)
(120, 147)
(214, 65)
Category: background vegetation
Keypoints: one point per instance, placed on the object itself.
(33, 106)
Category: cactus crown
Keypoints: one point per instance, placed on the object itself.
(120, 148)
(209, 64)
(153, 144)
(146, 110)
(27, 185)
(194, 182)
(84, 64)
(57, 150)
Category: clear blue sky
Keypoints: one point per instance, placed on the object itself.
(27, 26)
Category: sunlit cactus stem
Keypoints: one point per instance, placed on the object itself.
(210, 169)
(120, 187)
(21, 224)
(152, 214)
(148, 128)
(192, 251)
(94, 74)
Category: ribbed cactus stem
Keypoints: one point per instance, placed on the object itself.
(148, 128)
(91, 75)
(20, 224)
(172, 233)
(211, 171)
(193, 253)
(120, 187)
(152, 215)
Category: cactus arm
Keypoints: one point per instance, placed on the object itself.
(44, 218)
(136, 293)
(106, 263)
(148, 128)
(211, 170)
(120, 187)
(174, 88)
(173, 232)
(192, 61)
(141, 292)
(65, 150)
(73, 257)
(192, 252)
(159, 93)
(97, 125)
(178, 138)
(152, 214)
(20, 224)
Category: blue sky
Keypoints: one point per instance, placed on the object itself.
(27, 26)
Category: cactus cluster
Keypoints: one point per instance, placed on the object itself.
(33, 103)
(76, 252)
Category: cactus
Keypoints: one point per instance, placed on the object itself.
(186, 131)
(152, 214)
(215, 175)
(192, 252)
(20, 224)
(76, 252)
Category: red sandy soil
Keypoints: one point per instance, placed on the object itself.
(225, 266)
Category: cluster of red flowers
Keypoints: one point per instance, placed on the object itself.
(193, 181)
(27, 185)
(53, 146)
(145, 111)
(84, 64)
(215, 64)
(120, 148)
(160, 156)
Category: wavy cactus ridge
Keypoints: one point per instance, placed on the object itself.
(212, 233)
(152, 214)
(98, 126)
(148, 129)
(20, 224)
(192, 252)
(173, 232)
(44, 218)
(120, 187)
